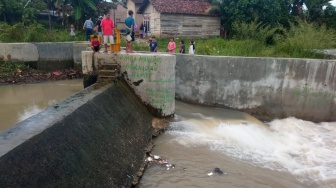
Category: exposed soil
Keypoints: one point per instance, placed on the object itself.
(26, 76)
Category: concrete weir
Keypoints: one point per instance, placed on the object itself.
(96, 138)
(266, 88)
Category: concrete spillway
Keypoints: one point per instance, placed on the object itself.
(98, 136)
(94, 138)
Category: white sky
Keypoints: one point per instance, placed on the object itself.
(333, 2)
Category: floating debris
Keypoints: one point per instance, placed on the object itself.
(217, 171)
(155, 159)
(183, 170)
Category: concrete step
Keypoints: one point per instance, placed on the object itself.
(107, 71)
(108, 67)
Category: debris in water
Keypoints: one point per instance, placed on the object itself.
(217, 171)
(183, 170)
(210, 173)
(155, 159)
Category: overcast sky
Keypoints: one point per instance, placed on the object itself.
(333, 2)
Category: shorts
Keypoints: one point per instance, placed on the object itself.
(108, 37)
(132, 36)
(96, 48)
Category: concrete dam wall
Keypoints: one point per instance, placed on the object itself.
(96, 138)
(266, 88)
(48, 56)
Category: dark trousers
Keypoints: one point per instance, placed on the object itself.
(88, 33)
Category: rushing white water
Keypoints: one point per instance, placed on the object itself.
(305, 149)
(33, 110)
(28, 112)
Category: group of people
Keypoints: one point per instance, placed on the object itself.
(105, 30)
(153, 45)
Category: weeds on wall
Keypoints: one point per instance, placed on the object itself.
(10, 68)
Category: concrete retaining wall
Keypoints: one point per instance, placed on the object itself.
(54, 55)
(47, 56)
(96, 138)
(151, 76)
(15, 52)
(267, 88)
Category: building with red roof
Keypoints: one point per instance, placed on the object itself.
(165, 18)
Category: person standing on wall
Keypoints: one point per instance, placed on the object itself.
(88, 26)
(98, 25)
(192, 47)
(182, 47)
(107, 26)
(171, 45)
(129, 22)
(153, 45)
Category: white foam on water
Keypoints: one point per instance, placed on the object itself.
(305, 149)
(29, 111)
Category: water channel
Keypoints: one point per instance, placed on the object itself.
(19, 102)
(282, 153)
(285, 153)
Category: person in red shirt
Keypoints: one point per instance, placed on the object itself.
(107, 26)
(95, 44)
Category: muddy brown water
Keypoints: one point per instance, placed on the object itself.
(286, 153)
(18, 102)
(282, 153)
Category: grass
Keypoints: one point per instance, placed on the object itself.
(35, 33)
(252, 39)
(257, 40)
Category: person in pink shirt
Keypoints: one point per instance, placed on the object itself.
(171, 45)
(107, 26)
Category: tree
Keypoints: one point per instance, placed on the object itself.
(268, 12)
(265, 11)
(78, 9)
(30, 9)
(315, 9)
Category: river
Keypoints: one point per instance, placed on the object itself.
(284, 153)
(19, 102)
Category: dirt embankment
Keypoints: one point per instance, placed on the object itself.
(26, 76)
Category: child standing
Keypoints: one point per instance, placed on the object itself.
(192, 47)
(95, 44)
(182, 47)
(171, 45)
(72, 31)
(153, 45)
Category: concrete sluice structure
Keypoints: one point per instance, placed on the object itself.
(98, 137)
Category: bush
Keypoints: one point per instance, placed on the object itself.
(302, 38)
(35, 33)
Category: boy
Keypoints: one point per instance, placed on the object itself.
(95, 44)
(129, 22)
(182, 47)
(153, 45)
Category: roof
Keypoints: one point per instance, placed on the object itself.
(197, 7)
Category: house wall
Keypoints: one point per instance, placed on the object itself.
(189, 25)
(119, 15)
(166, 25)
(155, 20)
